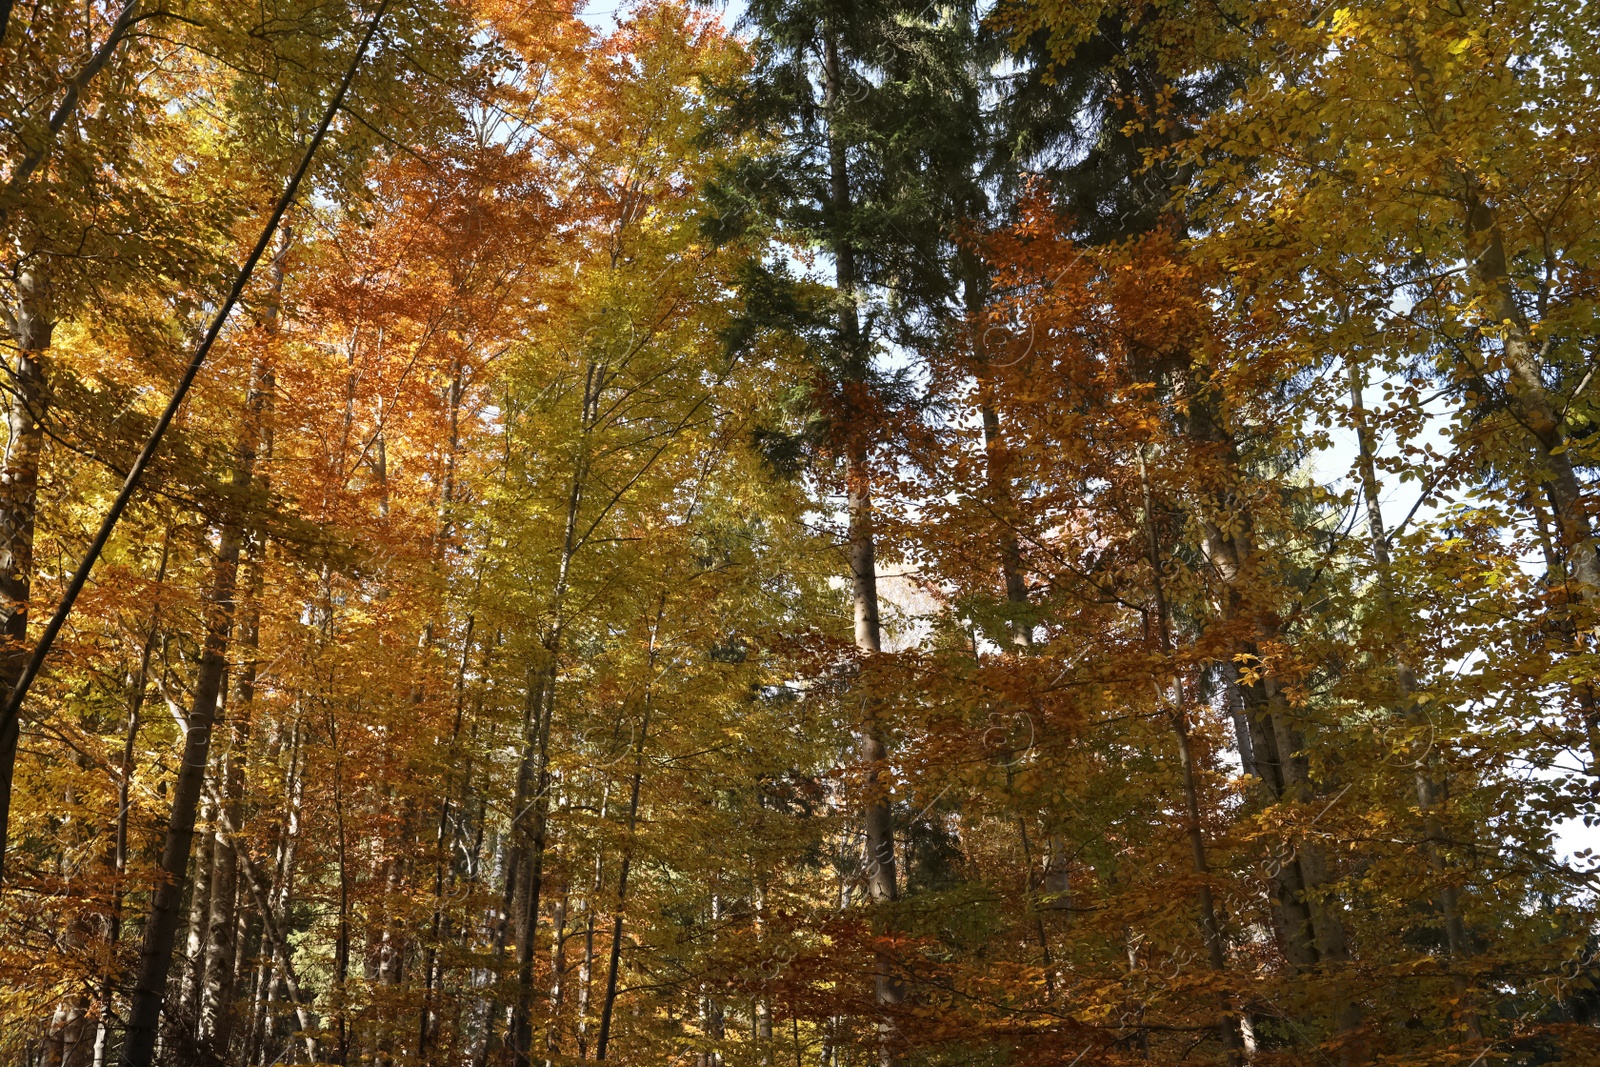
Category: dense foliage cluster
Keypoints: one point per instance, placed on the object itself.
(1051, 533)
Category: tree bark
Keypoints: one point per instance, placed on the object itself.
(603, 1039)
(33, 326)
(155, 961)
(558, 972)
(261, 891)
(531, 824)
(138, 686)
(1429, 788)
(1210, 926)
(1530, 399)
(1311, 929)
(877, 815)
(199, 915)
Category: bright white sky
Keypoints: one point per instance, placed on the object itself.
(602, 14)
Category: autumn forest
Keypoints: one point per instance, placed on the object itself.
(844, 533)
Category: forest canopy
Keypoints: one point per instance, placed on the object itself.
(854, 533)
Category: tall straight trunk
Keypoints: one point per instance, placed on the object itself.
(586, 967)
(216, 985)
(1010, 549)
(1536, 410)
(877, 815)
(1429, 787)
(1030, 894)
(534, 780)
(558, 972)
(261, 890)
(761, 1010)
(586, 974)
(448, 492)
(33, 326)
(1310, 925)
(510, 859)
(615, 964)
(341, 943)
(712, 1019)
(294, 785)
(255, 443)
(996, 462)
(1210, 926)
(436, 927)
(138, 686)
(531, 827)
(194, 954)
(155, 960)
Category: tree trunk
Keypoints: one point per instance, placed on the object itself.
(877, 814)
(558, 972)
(138, 685)
(1535, 409)
(532, 817)
(199, 914)
(609, 1003)
(216, 987)
(437, 926)
(1010, 549)
(33, 327)
(155, 961)
(255, 443)
(586, 967)
(261, 891)
(1310, 927)
(1211, 928)
(1430, 790)
(761, 1010)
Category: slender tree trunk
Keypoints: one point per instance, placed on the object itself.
(558, 973)
(156, 958)
(138, 686)
(436, 930)
(33, 328)
(216, 986)
(761, 1010)
(1210, 926)
(609, 1003)
(1530, 399)
(261, 891)
(1430, 789)
(1311, 929)
(534, 783)
(282, 886)
(996, 463)
(1010, 549)
(877, 814)
(712, 1019)
(586, 967)
(533, 818)
(341, 945)
(194, 955)
(255, 445)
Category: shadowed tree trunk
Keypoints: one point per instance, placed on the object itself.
(32, 327)
(1311, 929)
(1210, 925)
(603, 1039)
(155, 961)
(877, 816)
